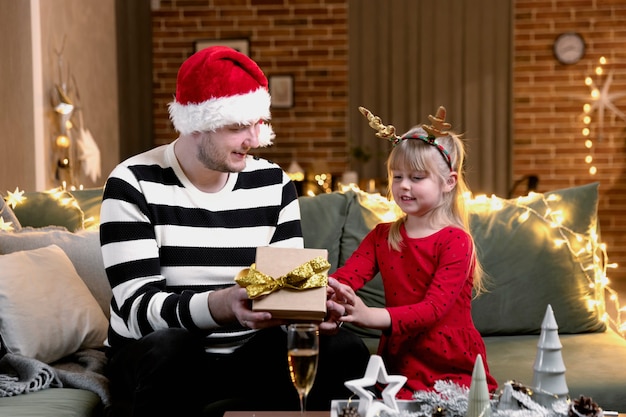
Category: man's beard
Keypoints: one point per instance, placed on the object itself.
(211, 158)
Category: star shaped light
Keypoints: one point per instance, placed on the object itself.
(374, 373)
(603, 99)
(14, 198)
(5, 226)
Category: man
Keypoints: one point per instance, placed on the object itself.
(178, 223)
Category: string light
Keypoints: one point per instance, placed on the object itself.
(61, 195)
(14, 198)
(600, 99)
(587, 251)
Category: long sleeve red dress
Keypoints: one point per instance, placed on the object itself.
(428, 293)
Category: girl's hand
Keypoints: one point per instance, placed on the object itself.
(337, 296)
(362, 315)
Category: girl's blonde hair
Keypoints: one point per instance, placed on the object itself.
(419, 155)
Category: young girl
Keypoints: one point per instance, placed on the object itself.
(427, 262)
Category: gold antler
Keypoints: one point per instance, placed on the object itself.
(385, 132)
(439, 127)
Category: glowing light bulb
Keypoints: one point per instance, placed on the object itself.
(63, 141)
(588, 144)
(524, 216)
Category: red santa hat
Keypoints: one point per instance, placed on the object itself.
(217, 87)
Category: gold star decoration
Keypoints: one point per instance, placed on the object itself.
(14, 198)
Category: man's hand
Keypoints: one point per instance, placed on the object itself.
(232, 304)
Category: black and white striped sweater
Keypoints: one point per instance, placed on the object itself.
(166, 244)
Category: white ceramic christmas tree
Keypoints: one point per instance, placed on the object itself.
(478, 397)
(507, 401)
(549, 369)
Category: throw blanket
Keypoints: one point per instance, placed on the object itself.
(84, 369)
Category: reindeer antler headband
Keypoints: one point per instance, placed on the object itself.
(438, 128)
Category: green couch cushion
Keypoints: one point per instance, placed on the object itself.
(323, 217)
(47, 208)
(66, 402)
(527, 270)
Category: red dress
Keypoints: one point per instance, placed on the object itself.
(428, 293)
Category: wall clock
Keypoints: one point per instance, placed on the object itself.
(569, 47)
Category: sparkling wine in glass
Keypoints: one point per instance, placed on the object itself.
(302, 353)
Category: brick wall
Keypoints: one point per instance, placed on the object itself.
(308, 39)
(548, 107)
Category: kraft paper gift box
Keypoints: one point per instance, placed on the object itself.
(286, 303)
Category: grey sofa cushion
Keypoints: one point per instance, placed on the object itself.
(82, 247)
(41, 209)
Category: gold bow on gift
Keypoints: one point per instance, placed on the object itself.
(312, 274)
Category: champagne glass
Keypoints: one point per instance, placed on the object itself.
(302, 353)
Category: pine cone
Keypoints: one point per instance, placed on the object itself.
(439, 412)
(349, 411)
(584, 406)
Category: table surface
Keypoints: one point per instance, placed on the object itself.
(276, 414)
(290, 414)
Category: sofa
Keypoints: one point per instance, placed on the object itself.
(535, 251)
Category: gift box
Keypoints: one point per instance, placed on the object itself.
(286, 303)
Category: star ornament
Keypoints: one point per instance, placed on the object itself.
(604, 100)
(374, 373)
(14, 198)
(5, 226)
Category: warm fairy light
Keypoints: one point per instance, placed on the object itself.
(61, 195)
(14, 198)
(5, 226)
(524, 216)
(63, 141)
(601, 99)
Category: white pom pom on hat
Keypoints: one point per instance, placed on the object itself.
(217, 87)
